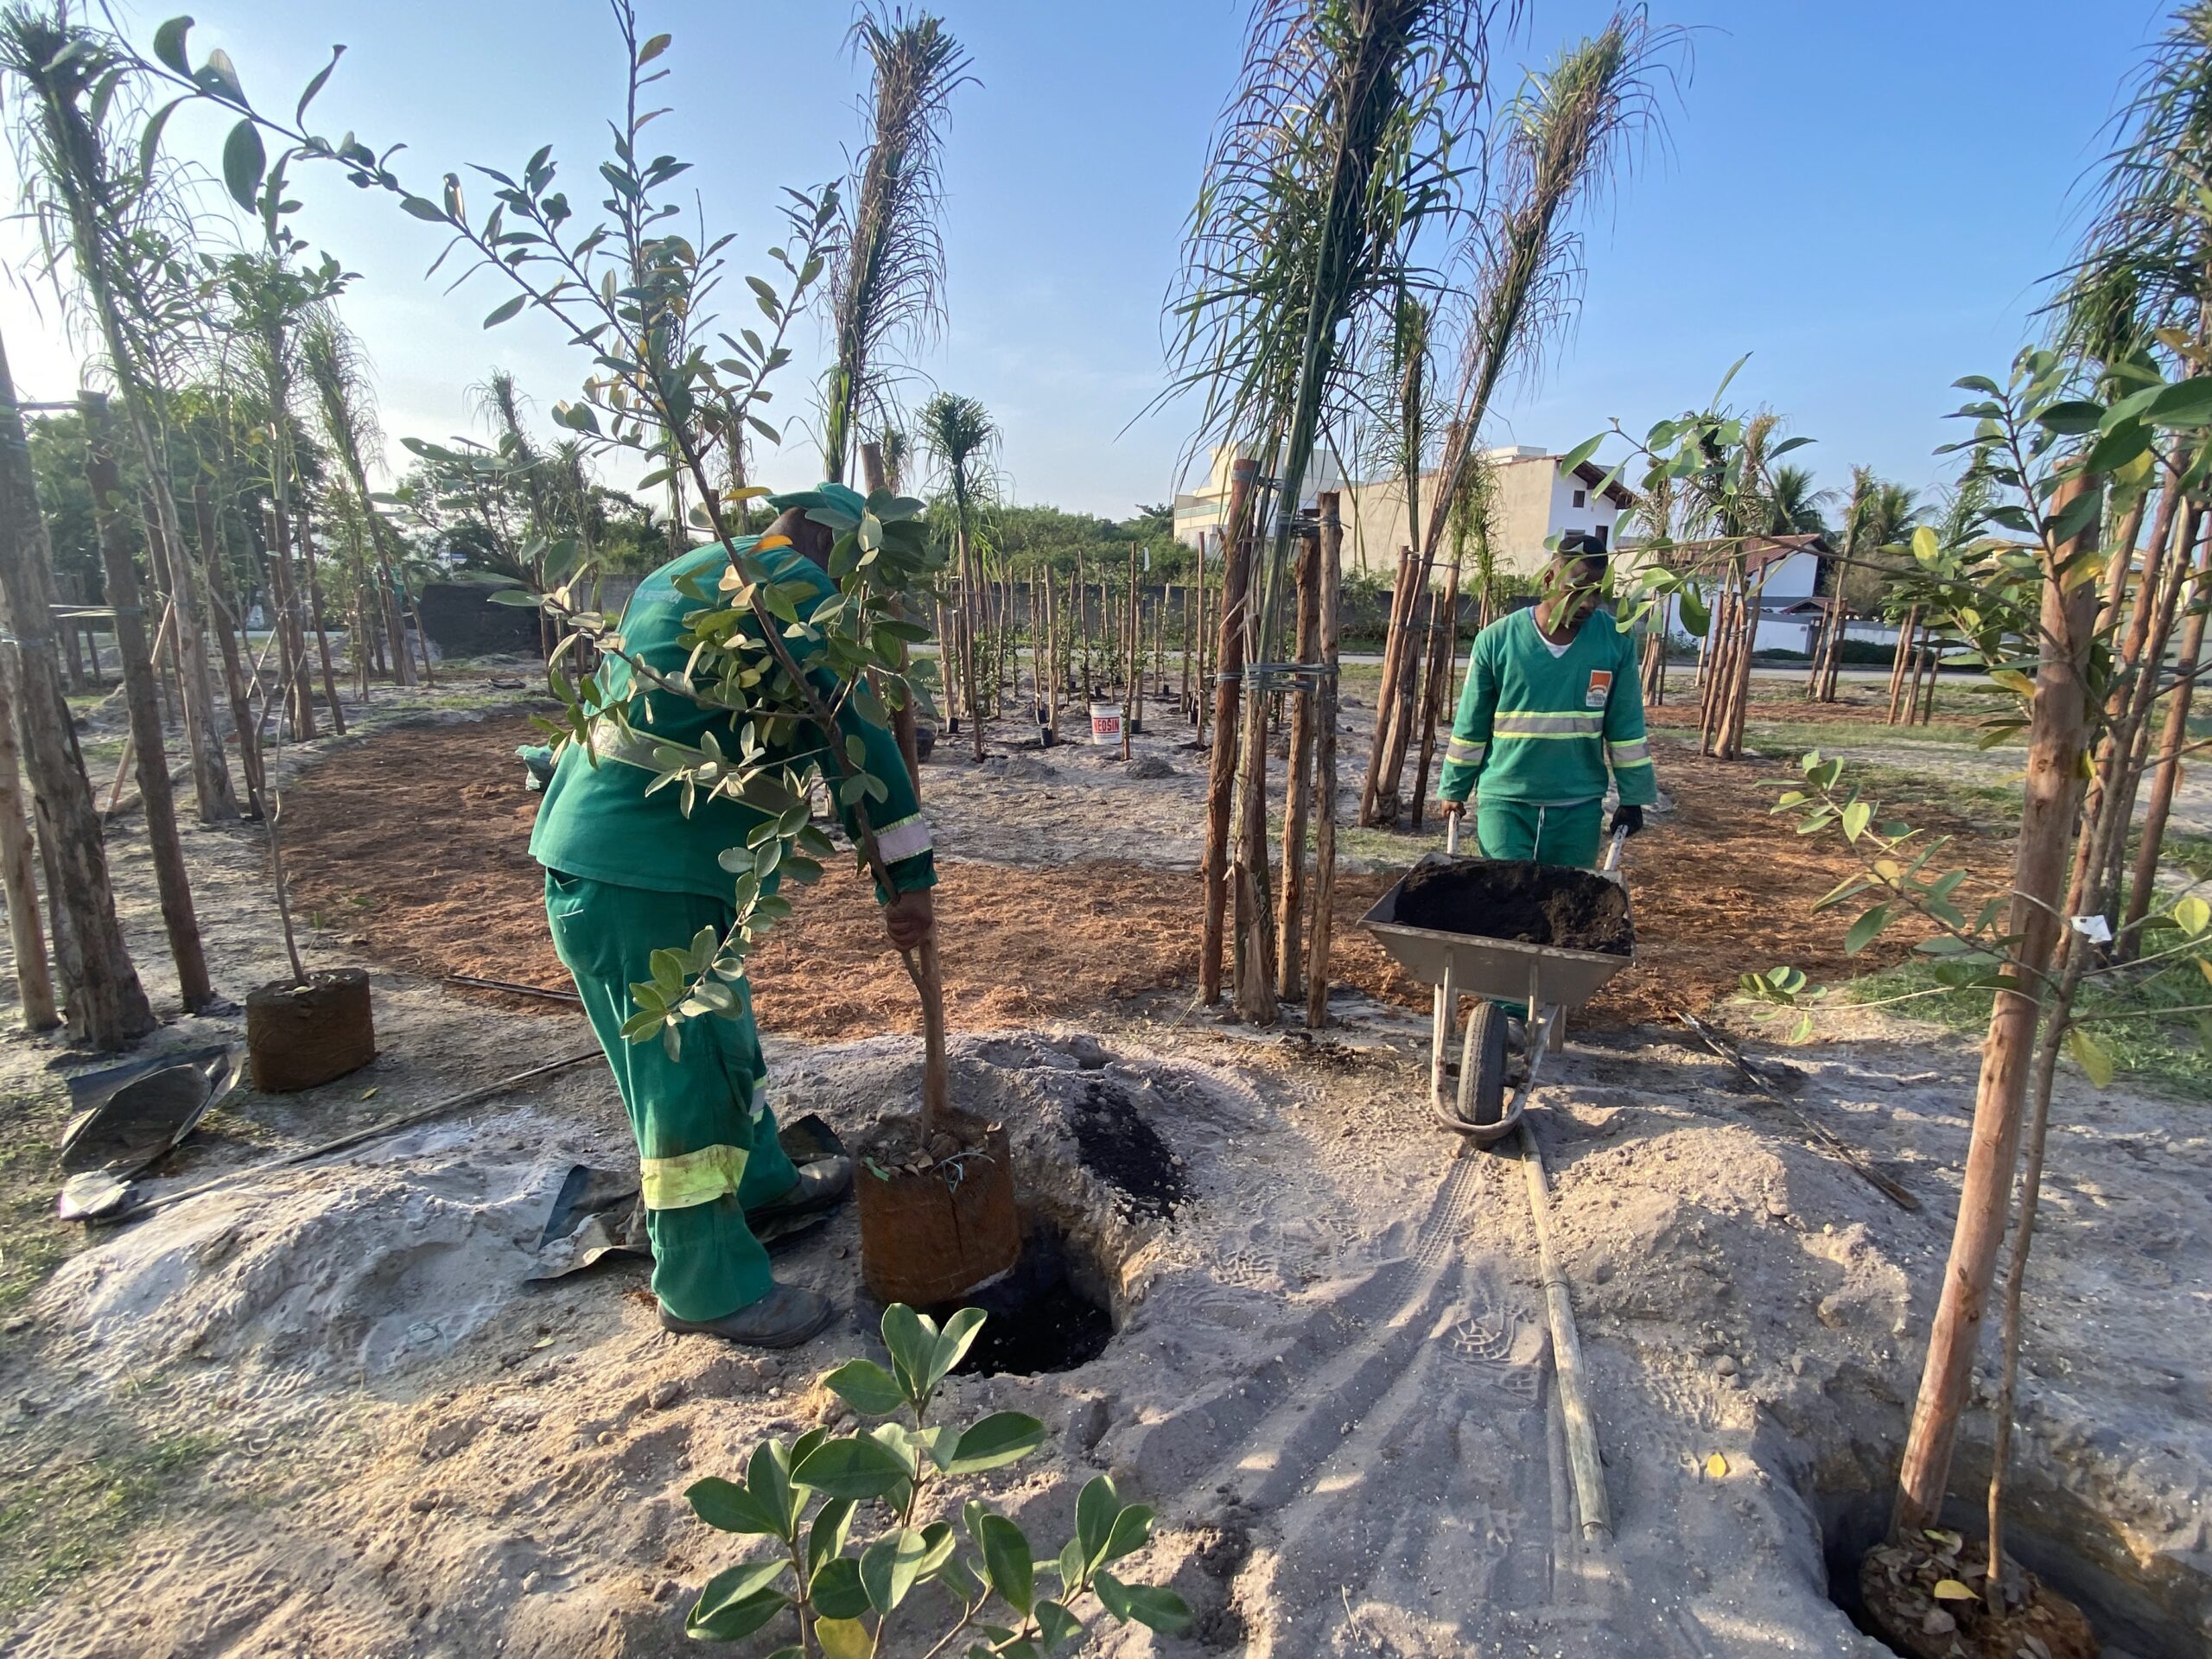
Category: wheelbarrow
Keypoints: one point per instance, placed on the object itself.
(1551, 980)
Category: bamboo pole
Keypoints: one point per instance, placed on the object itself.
(1298, 805)
(1386, 693)
(18, 878)
(1907, 629)
(1199, 699)
(2059, 723)
(157, 796)
(1324, 764)
(1229, 676)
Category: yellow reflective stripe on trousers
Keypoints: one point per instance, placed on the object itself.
(694, 1178)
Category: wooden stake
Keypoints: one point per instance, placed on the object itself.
(1324, 759)
(34, 980)
(1393, 643)
(1133, 646)
(2058, 727)
(156, 797)
(1229, 684)
(1442, 675)
(2166, 774)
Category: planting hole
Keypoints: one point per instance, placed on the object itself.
(1042, 1317)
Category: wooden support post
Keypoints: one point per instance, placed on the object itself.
(1436, 691)
(156, 798)
(2058, 722)
(2173, 738)
(1298, 803)
(1324, 765)
(1133, 646)
(1229, 685)
(1393, 643)
(18, 881)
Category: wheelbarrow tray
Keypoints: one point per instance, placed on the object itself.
(1506, 971)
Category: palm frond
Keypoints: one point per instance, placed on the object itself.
(959, 435)
(888, 277)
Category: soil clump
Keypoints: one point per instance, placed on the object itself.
(1513, 898)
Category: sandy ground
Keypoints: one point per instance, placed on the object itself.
(320, 1413)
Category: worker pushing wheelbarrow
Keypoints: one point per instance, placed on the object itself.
(1552, 708)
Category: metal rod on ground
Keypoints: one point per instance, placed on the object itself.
(1888, 1189)
(1584, 1465)
(513, 989)
(345, 1142)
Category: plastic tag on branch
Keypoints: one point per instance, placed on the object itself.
(2095, 928)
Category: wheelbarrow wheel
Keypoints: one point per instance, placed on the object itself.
(1481, 1066)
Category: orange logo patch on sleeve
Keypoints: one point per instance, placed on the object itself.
(1601, 687)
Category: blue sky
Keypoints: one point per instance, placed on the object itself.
(1865, 197)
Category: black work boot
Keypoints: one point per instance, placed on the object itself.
(821, 1185)
(787, 1316)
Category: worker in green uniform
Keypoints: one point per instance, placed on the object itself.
(1553, 701)
(627, 874)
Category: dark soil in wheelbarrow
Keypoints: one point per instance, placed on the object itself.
(1530, 903)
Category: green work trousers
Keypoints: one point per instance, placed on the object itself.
(1547, 834)
(706, 1145)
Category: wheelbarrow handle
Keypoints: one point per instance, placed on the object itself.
(1613, 853)
(1452, 834)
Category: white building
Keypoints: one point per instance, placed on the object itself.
(1531, 502)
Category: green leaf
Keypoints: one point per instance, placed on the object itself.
(244, 163)
(843, 1638)
(727, 1507)
(1696, 617)
(169, 45)
(912, 1339)
(1582, 452)
(2071, 418)
(999, 1438)
(953, 1343)
(838, 1592)
(825, 1538)
(2187, 402)
(738, 1601)
(653, 49)
(890, 1565)
(857, 1467)
(1856, 817)
(1095, 1508)
(506, 311)
(2117, 447)
(1132, 1532)
(520, 598)
(1057, 1623)
(2090, 1055)
(1007, 1562)
(1865, 929)
(868, 1388)
(1151, 1605)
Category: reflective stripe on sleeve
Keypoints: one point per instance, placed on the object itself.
(904, 839)
(1460, 753)
(1635, 753)
(694, 1178)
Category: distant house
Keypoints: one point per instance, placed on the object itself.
(1531, 501)
(1790, 571)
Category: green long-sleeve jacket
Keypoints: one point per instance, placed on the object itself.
(1542, 726)
(597, 822)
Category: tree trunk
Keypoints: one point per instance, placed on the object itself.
(1229, 678)
(1133, 646)
(1324, 758)
(106, 1004)
(1393, 642)
(229, 630)
(1736, 710)
(1906, 630)
(2173, 737)
(1290, 954)
(156, 798)
(299, 688)
(18, 878)
(1205, 644)
(1436, 689)
(306, 543)
(2057, 727)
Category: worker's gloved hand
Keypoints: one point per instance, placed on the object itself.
(910, 918)
(1629, 818)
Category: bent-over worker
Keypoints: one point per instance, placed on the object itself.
(1553, 700)
(627, 874)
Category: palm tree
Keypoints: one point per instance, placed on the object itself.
(886, 281)
(1794, 507)
(959, 435)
